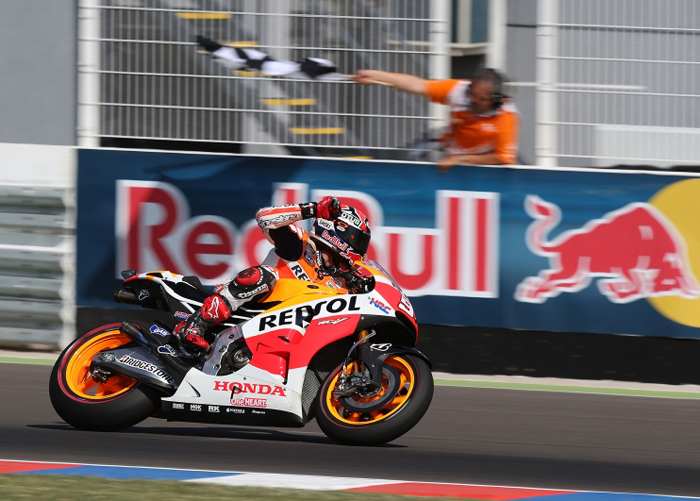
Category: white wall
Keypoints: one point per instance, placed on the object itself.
(38, 79)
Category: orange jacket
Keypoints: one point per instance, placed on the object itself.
(471, 134)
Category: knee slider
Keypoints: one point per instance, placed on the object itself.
(252, 282)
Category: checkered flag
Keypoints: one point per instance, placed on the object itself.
(311, 68)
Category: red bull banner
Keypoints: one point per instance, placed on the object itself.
(454, 257)
(561, 250)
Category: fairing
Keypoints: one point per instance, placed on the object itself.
(298, 319)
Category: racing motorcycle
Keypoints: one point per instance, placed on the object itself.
(306, 351)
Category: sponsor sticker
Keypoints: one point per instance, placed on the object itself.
(302, 315)
(380, 346)
(159, 330)
(178, 406)
(334, 240)
(350, 218)
(254, 292)
(143, 294)
(258, 389)
(299, 272)
(379, 305)
(310, 255)
(195, 407)
(276, 220)
(332, 321)
(324, 223)
(249, 402)
(181, 314)
(166, 349)
(214, 409)
(146, 366)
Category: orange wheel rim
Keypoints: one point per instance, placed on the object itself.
(79, 378)
(406, 387)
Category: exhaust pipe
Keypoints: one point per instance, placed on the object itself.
(154, 342)
(125, 297)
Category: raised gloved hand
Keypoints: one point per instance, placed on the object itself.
(328, 208)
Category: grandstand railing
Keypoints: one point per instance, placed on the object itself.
(618, 82)
(142, 77)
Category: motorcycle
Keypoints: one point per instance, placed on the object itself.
(306, 351)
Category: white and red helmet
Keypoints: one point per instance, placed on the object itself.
(348, 234)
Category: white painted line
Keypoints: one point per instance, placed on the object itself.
(287, 481)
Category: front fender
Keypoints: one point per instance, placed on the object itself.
(374, 354)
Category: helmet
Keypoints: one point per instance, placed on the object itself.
(347, 235)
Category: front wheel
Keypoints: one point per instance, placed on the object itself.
(403, 399)
(93, 404)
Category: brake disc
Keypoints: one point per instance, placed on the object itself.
(391, 381)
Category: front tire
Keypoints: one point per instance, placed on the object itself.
(407, 390)
(86, 404)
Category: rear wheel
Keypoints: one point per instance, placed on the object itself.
(91, 404)
(380, 417)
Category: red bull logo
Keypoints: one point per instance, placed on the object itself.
(457, 256)
(634, 252)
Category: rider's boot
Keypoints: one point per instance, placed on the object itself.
(248, 284)
(190, 332)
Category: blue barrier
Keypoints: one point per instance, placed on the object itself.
(558, 250)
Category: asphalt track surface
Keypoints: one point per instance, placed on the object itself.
(487, 436)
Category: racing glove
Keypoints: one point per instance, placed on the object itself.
(327, 208)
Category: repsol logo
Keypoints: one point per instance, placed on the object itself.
(302, 315)
(299, 272)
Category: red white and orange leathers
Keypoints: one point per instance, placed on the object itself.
(295, 254)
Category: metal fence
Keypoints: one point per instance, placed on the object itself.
(618, 82)
(143, 79)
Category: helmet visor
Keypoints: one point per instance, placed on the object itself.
(356, 238)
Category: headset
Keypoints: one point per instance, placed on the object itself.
(496, 80)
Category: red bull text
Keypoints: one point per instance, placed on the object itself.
(457, 257)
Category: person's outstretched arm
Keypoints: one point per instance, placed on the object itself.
(401, 81)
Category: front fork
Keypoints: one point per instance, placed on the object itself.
(370, 358)
(350, 382)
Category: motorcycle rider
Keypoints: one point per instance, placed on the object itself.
(339, 236)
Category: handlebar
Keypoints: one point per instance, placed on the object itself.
(354, 282)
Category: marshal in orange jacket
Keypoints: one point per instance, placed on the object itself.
(474, 134)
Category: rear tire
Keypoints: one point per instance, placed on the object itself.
(86, 404)
(377, 420)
